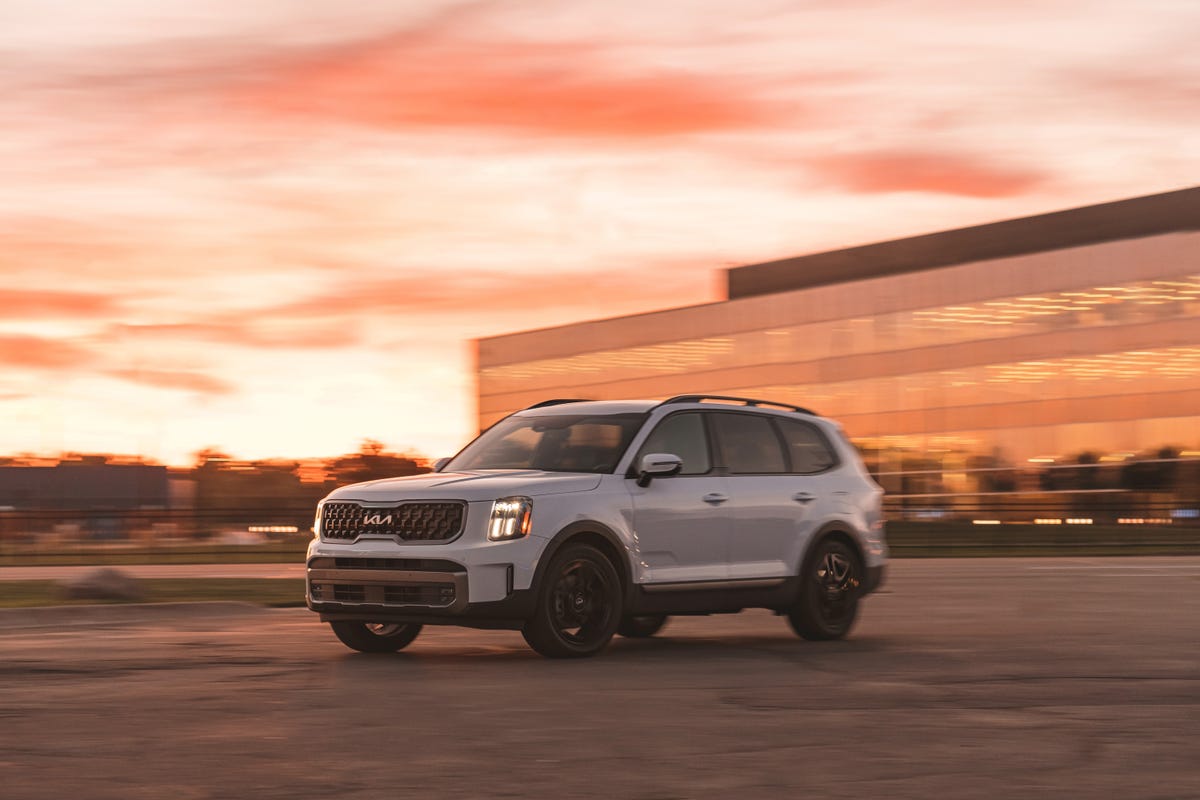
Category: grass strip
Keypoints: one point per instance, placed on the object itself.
(273, 592)
(275, 553)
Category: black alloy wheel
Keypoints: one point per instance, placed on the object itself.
(578, 606)
(641, 627)
(830, 587)
(376, 637)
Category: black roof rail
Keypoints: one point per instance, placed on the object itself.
(746, 401)
(557, 402)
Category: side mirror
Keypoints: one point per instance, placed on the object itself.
(441, 462)
(658, 465)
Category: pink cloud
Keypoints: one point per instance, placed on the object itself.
(432, 80)
(267, 334)
(490, 294)
(1165, 94)
(926, 171)
(33, 304)
(174, 379)
(32, 352)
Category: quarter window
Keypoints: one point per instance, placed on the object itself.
(749, 444)
(809, 450)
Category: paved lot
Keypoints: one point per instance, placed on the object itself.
(966, 679)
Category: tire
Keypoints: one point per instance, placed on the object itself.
(829, 592)
(642, 627)
(578, 605)
(370, 637)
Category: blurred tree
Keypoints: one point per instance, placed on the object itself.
(996, 473)
(373, 462)
(1154, 474)
(202, 457)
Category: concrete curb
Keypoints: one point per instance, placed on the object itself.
(122, 614)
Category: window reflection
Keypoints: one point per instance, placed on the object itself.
(1120, 304)
(1013, 431)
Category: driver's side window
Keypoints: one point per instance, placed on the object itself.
(682, 435)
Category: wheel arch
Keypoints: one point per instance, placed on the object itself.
(832, 530)
(597, 535)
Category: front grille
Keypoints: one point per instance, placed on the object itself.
(424, 521)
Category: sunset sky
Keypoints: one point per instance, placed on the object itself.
(275, 226)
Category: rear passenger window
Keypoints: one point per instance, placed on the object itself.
(749, 444)
(681, 435)
(809, 450)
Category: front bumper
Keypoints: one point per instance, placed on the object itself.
(425, 591)
(510, 613)
(397, 583)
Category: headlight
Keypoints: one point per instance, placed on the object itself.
(316, 528)
(511, 518)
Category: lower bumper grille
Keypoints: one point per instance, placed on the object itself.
(341, 593)
(419, 588)
(420, 595)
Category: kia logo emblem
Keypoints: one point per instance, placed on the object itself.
(377, 519)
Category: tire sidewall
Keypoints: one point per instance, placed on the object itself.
(642, 626)
(809, 618)
(541, 631)
(357, 636)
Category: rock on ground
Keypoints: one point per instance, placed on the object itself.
(102, 583)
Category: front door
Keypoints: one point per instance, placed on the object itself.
(681, 523)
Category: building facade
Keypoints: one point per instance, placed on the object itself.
(1066, 338)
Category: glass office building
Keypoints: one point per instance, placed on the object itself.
(1065, 338)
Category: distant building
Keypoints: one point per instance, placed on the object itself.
(1064, 336)
(85, 498)
(84, 485)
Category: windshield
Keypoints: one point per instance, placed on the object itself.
(555, 443)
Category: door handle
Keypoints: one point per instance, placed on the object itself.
(804, 497)
(715, 498)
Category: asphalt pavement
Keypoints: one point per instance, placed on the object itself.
(989, 678)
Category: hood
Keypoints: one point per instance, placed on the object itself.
(470, 486)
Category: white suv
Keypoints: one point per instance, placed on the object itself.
(574, 520)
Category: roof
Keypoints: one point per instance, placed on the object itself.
(1124, 219)
(592, 407)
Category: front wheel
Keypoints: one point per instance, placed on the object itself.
(578, 605)
(829, 592)
(375, 637)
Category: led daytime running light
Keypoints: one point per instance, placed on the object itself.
(511, 518)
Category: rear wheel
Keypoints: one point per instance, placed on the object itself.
(642, 627)
(578, 605)
(829, 592)
(376, 637)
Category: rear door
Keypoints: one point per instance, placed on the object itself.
(680, 523)
(775, 487)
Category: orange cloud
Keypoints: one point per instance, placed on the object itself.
(429, 79)
(174, 379)
(491, 295)
(32, 352)
(919, 171)
(29, 304)
(1165, 94)
(267, 334)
